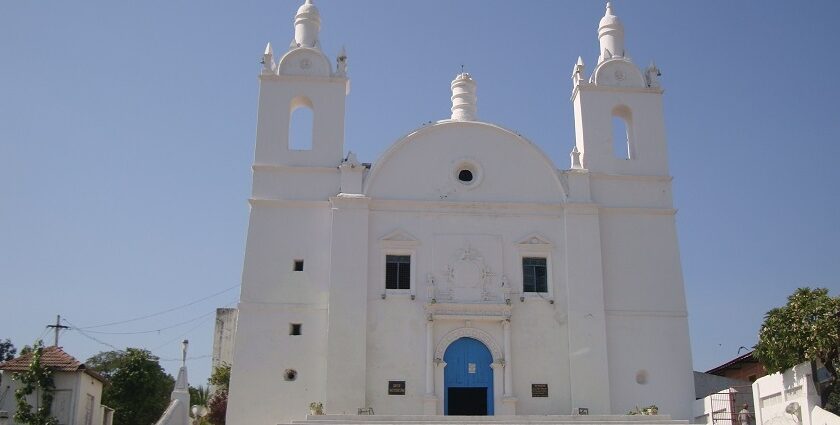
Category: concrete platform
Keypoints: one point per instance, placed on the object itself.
(494, 420)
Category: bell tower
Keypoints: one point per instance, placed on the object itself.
(302, 89)
(627, 244)
(619, 126)
(280, 359)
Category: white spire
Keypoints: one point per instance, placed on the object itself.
(577, 72)
(268, 60)
(463, 98)
(307, 25)
(610, 35)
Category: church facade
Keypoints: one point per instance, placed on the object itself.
(463, 272)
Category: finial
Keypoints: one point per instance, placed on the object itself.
(341, 62)
(184, 344)
(610, 35)
(577, 72)
(652, 74)
(267, 61)
(463, 97)
(575, 154)
(307, 25)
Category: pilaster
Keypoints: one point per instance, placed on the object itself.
(498, 385)
(347, 323)
(588, 367)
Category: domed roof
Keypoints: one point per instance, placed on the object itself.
(307, 7)
(609, 19)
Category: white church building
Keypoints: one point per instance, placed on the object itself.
(444, 280)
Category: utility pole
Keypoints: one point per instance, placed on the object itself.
(58, 327)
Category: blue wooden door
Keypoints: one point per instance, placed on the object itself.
(468, 366)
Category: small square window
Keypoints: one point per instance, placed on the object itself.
(534, 275)
(295, 328)
(397, 272)
(298, 265)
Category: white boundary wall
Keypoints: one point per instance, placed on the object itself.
(774, 397)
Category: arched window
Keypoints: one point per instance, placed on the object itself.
(301, 125)
(622, 135)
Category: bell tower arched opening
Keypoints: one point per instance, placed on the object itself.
(301, 124)
(622, 132)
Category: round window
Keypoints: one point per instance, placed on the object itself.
(467, 172)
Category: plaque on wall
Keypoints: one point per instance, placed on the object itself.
(539, 390)
(396, 387)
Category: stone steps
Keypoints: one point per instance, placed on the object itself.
(493, 420)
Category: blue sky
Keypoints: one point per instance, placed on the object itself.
(127, 135)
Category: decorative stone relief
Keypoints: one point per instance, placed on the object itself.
(466, 278)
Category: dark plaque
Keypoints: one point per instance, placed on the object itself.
(539, 390)
(396, 387)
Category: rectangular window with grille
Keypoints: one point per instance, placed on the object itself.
(534, 275)
(397, 272)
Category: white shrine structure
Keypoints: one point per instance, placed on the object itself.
(463, 273)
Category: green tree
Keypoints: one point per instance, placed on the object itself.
(807, 328)
(38, 380)
(139, 388)
(7, 350)
(220, 378)
(199, 395)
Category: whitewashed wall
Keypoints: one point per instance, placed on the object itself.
(774, 394)
(610, 334)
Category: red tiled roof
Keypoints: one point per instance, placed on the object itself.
(52, 357)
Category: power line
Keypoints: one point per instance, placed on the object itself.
(160, 312)
(188, 358)
(182, 336)
(178, 338)
(43, 334)
(151, 330)
(75, 328)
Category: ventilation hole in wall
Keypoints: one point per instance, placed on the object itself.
(641, 377)
(465, 176)
(295, 328)
(298, 265)
(290, 375)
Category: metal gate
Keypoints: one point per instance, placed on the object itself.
(727, 404)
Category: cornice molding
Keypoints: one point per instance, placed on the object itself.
(275, 168)
(605, 176)
(638, 210)
(477, 208)
(644, 313)
(287, 203)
